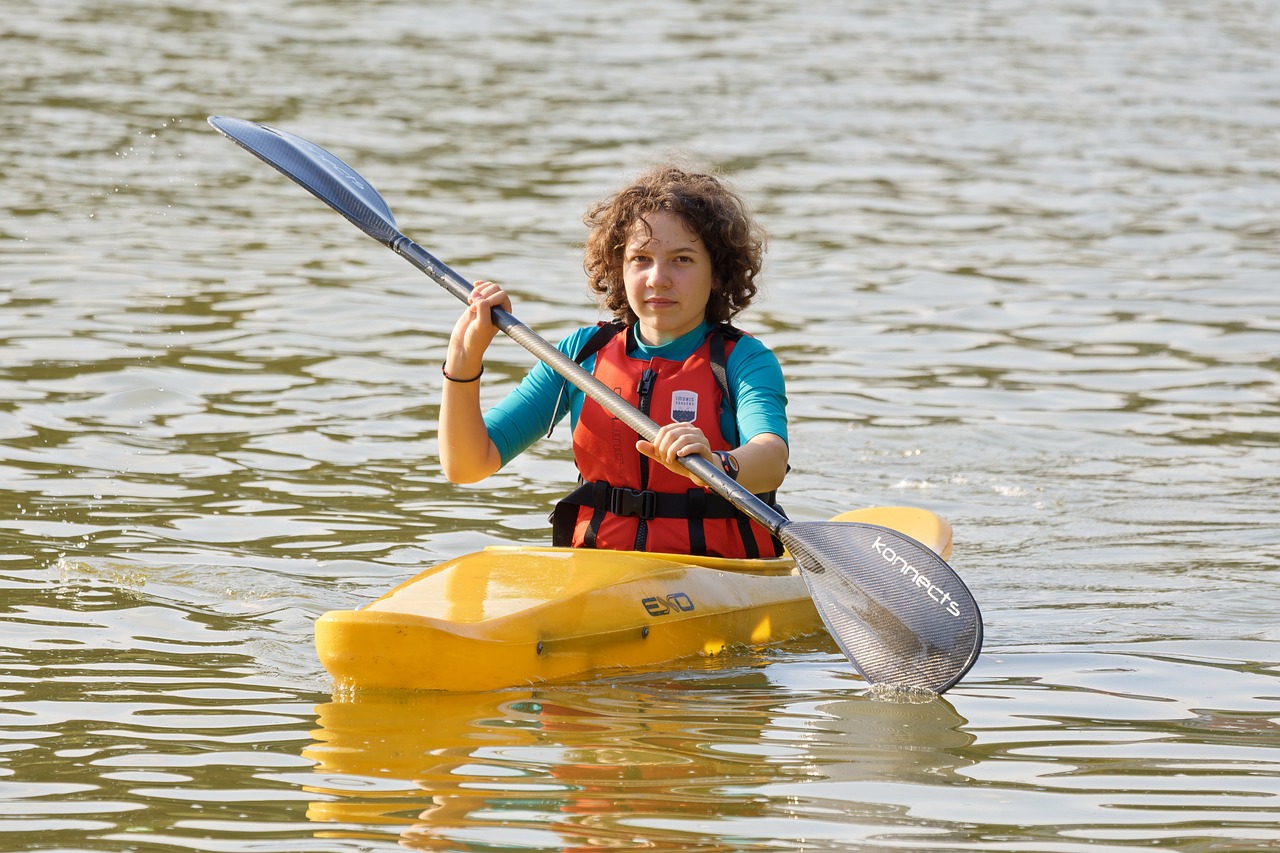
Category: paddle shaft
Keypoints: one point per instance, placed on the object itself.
(566, 367)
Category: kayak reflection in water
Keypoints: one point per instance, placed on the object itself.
(674, 257)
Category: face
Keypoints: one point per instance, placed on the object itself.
(668, 278)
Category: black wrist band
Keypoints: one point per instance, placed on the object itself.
(728, 462)
(461, 381)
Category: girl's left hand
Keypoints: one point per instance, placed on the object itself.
(674, 441)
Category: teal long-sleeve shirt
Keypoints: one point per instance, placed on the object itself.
(543, 398)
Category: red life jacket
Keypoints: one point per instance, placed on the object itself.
(627, 501)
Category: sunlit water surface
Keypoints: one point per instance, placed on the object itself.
(1023, 273)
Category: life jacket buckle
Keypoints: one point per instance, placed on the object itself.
(634, 502)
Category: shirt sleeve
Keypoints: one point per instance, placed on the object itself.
(535, 405)
(758, 389)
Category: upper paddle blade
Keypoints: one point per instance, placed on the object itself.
(322, 174)
(896, 609)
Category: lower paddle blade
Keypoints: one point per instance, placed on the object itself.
(896, 609)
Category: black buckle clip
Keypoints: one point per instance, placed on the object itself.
(634, 502)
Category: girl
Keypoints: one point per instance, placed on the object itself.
(674, 257)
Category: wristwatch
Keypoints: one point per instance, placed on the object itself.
(728, 462)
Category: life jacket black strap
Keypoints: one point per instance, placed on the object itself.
(604, 333)
(647, 504)
(719, 369)
(695, 505)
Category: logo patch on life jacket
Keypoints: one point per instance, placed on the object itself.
(684, 406)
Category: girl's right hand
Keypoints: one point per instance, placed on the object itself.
(475, 330)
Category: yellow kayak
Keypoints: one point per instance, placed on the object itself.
(510, 616)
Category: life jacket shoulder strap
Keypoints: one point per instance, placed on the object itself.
(604, 333)
(718, 342)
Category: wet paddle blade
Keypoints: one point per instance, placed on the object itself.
(321, 173)
(895, 608)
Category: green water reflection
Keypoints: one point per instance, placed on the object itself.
(608, 767)
(1089, 748)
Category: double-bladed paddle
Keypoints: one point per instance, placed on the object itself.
(899, 613)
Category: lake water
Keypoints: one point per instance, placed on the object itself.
(1023, 272)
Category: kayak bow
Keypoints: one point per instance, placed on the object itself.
(516, 615)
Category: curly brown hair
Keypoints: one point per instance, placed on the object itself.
(707, 207)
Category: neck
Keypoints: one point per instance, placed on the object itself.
(662, 337)
(647, 338)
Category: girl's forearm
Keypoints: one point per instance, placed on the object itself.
(467, 454)
(762, 463)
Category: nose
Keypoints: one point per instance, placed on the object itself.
(660, 274)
